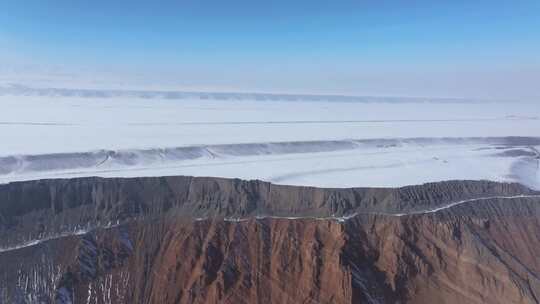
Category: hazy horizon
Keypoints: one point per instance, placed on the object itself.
(486, 49)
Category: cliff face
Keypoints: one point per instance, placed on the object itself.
(206, 240)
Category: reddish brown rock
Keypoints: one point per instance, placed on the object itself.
(483, 252)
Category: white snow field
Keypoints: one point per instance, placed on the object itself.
(298, 140)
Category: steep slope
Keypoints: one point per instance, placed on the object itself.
(206, 240)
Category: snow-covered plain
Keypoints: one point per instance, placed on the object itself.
(317, 142)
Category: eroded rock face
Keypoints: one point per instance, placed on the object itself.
(199, 240)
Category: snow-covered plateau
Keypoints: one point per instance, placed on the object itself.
(315, 141)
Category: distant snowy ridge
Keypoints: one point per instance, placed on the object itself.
(131, 158)
(315, 163)
(22, 90)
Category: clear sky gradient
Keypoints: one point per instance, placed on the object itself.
(480, 49)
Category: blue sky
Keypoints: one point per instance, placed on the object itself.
(488, 49)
